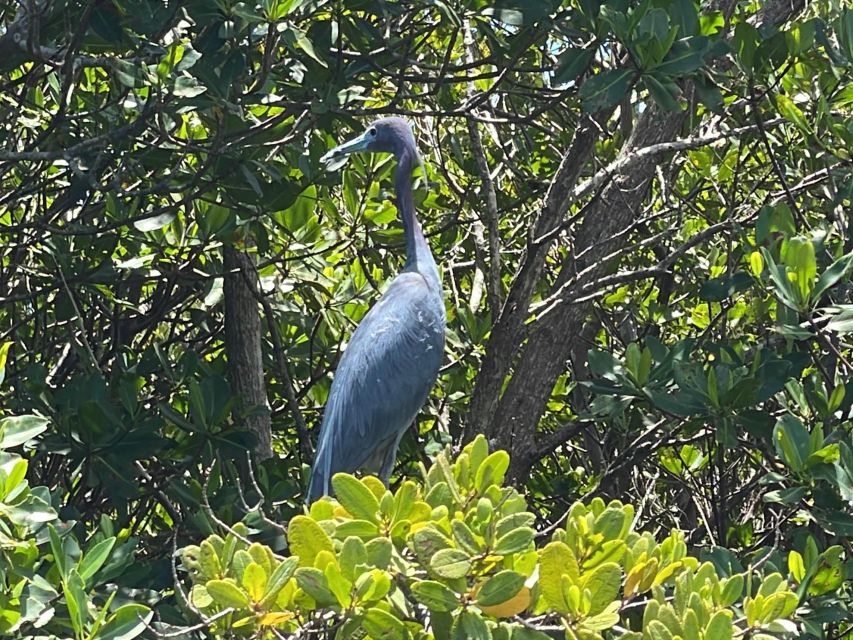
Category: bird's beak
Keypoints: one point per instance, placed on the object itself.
(356, 144)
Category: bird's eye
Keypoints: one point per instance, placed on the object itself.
(371, 133)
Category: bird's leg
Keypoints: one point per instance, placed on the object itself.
(390, 458)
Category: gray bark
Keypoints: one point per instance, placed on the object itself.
(243, 344)
(551, 340)
(536, 354)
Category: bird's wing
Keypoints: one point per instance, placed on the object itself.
(383, 379)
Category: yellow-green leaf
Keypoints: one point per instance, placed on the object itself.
(306, 539)
(355, 497)
(719, 627)
(756, 263)
(556, 559)
(796, 566)
(226, 593)
(254, 581)
(279, 577)
(603, 583)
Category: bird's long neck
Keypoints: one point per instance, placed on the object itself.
(418, 255)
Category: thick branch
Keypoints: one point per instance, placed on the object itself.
(243, 345)
(510, 420)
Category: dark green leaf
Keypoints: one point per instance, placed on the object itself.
(604, 90)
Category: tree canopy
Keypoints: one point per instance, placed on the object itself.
(642, 214)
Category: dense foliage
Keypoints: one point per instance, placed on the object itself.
(642, 214)
(457, 556)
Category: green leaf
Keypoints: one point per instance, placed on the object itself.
(297, 39)
(313, 582)
(199, 597)
(435, 595)
(657, 630)
(685, 57)
(355, 497)
(426, 542)
(513, 521)
(573, 62)
(607, 618)
(278, 579)
(791, 112)
(96, 557)
(604, 90)
(799, 256)
(556, 559)
(373, 585)
(731, 590)
(792, 441)
(19, 430)
(154, 223)
(338, 584)
(404, 500)
(514, 541)
(796, 567)
(306, 539)
(830, 573)
(492, 471)
(709, 94)
(470, 626)
(352, 554)
(718, 289)
(720, 626)
(603, 583)
(613, 523)
(74, 590)
(127, 73)
(756, 263)
(800, 37)
(4, 354)
(833, 274)
(664, 93)
(226, 593)
(778, 605)
(254, 581)
(188, 87)
(358, 528)
(825, 455)
(684, 15)
(208, 560)
(745, 41)
(450, 563)
(783, 289)
(57, 551)
(499, 588)
(127, 622)
(465, 538)
(654, 24)
(379, 552)
(382, 625)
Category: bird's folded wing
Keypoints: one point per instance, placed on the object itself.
(385, 374)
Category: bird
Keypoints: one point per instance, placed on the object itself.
(392, 360)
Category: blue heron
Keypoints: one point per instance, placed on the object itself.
(393, 357)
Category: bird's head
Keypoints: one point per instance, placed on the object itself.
(388, 135)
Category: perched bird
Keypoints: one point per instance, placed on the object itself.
(392, 360)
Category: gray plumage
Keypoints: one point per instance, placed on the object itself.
(392, 360)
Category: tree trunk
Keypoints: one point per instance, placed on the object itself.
(551, 340)
(243, 345)
(536, 353)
